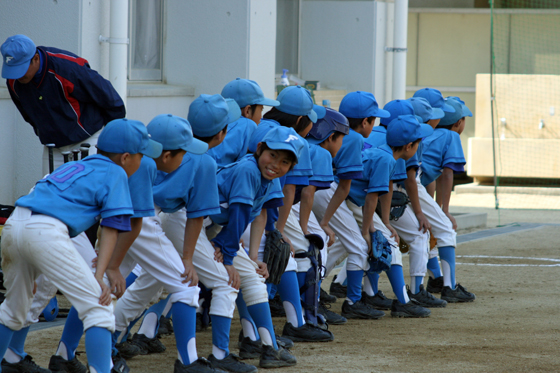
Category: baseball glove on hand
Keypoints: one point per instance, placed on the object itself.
(381, 253)
(276, 255)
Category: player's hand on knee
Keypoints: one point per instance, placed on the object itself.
(423, 223)
(190, 273)
(117, 281)
(234, 279)
(329, 233)
(94, 263)
(262, 269)
(394, 234)
(452, 220)
(105, 298)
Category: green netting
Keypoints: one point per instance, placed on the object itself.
(525, 94)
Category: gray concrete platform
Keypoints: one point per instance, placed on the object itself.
(470, 220)
(475, 188)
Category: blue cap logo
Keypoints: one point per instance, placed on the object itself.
(284, 138)
(17, 52)
(406, 129)
(128, 136)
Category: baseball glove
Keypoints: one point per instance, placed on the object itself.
(433, 240)
(403, 246)
(276, 255)
(381, 253)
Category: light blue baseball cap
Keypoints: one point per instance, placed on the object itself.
(466, 111)
(175, 133)
(284, 138)
(128, 136)
(424, 110)
(452, 118)
(435, 99)
(396, 108)
(17, 52)
(209, 114)
(361, 105)
(296, 100)
(406, 129)
(247, 92)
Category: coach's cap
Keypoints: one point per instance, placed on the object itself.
(17, 52)
(452, 118)
(284, 138)
(406, 129)
(466, 111)
(424, 110)
(247, 92)
(296, 100)
(175, 133)
(361, 105)
(435, 99)
(127, 136)
(396, 108)
(209, 114)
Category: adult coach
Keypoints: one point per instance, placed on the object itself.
(65, 101)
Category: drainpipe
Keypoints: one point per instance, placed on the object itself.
(118, 49)
(399, 49)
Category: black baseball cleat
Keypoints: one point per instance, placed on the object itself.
(435, 285)
(326, 297)
(127, 350)
(165, 326)
(338, 290)
(360, 310)
(271, 358)
(425, 299)
(201, 365)
(276, 307)
(306, 333)
(331, 317)
(119, 364)
(284, 342)
(231, 363)
(25, 365)
(410, 309)
(248, 349)
(147, 345)
(457, 295)
(58, 364)
(378, 301)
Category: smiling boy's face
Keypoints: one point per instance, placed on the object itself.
(274, 163)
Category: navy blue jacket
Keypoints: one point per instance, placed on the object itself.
(69, 101)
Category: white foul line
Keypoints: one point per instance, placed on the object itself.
(556, 261)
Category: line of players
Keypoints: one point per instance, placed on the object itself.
(197, 211)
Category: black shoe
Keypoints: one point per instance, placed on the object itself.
(119, 364)
(410, 309)
(127, 350)
(276, 307)
(147, 345)
(360, 310)
(457, 295)
(330, 316)
(378, 301)
(306, 333)
(199, 366)
(248, 349)
(165, 326)
(326, 297)
(284, 342)
(425, 299)
(271, 358)
(25, 365)
(337, 289)
(435, 285)
(59, 364)
(231, 363)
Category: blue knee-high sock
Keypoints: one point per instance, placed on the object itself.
(447, 256)
(158, 310)
(433, 266)
(6, 335)
(18, 342)
(130, 279)
(354, 290)
(72, 333)
(289, 292)
(184, 323)
(260, 313)
(220, 332)
(396, 278)
(417, 282)
(272, 290)
(301, 278)
(98, 349)
(244, 312)
(373, 278)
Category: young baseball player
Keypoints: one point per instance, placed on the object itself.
(442, 156)
(37, 238)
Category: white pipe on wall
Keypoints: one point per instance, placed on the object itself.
(399, 49)
(118, 50)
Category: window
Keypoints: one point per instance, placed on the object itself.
(146, 40)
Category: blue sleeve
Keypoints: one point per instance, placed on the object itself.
(399, 172)
(303, 167)
(114, 197)
(454, 152)
(119, 222)
(321, 161)
(276, 190)
(456, 167)
(378, 173)
(273, 203)
(141, 188)
(413, 162)
(243, 187)
(297, 180)
(271, 219)
(203, 198)
(228, 238)
(350, 175)
(349, 157)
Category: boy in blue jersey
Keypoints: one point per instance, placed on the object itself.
(245, 190)
(361, 109)
(442, 156)
(37, 238)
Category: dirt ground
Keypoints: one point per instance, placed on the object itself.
(511, 327)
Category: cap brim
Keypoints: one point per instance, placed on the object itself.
(15, 72)
(437, 113)
(448, 108)
(425, 131)
(312, 115)
(153, 149)
(268, 102)
(380, 113)
(280, 145)
(313, 140)
(321, 111)
(419, 119)
(196, 147)
(466, 111)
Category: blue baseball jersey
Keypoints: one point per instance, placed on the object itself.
(80, 193)
(379, 167)
(321, 161)
(441, 149)
(377, 138)
(192, 185)
(347, 164)
(141, 188)
(236, 143)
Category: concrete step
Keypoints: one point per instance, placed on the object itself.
(474, 188)
(470, 220)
